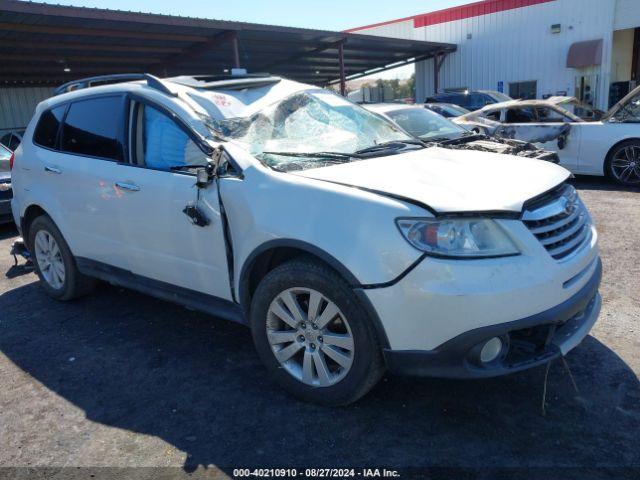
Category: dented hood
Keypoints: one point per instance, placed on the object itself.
(449, 180)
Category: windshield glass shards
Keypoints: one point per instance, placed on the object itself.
(310, 129)
(630, 112)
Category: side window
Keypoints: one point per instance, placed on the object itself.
(158, 141)
(476, 101)
(493, 115)
(15, 142)
(549, 115)
(47, 129)
(6, 140)
(95, 127)
(520, 115)
(461, 99)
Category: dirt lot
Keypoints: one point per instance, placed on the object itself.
(120, 379)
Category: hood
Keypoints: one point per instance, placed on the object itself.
(449, 180)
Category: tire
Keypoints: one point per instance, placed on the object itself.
(63, 286)
(623, 163)
(350, 328)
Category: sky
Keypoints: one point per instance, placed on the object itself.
(325, 14)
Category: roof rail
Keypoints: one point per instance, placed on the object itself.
(152, 81)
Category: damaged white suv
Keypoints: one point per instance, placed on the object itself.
(347, 246)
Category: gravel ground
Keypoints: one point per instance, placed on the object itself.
(119, 379)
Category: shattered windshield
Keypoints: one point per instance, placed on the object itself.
(630, 113)
(319, 123)
(426, 124)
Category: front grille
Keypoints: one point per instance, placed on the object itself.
(5, 194)
(561, 224)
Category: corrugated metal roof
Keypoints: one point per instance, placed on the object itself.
(38, 41)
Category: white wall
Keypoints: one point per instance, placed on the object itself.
(517, 45)
(627, 14)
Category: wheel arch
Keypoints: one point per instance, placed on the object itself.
(607, 158)
(32, 212)
(269, 255)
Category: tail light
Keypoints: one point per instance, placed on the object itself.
(11, 161)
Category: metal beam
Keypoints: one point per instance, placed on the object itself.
(72, 59)
(438, 59)
(98, 32)
(293, 58)
(236, 50)
(382, 68)
(94, 47)
(343, 81)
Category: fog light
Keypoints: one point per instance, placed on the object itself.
(491, 350)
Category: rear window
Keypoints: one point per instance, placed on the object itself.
(95, 127)
(47, 128)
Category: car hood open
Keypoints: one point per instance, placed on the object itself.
(449, 180)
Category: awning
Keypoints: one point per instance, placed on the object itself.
(585, 54)
(52, 44)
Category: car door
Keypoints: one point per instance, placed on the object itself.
(544, 129)
(76, 165)
(161, 241)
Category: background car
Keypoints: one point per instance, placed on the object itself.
(447, 110)
(471, 100)
(6, 192)
(609, 146)
(12, 139)
(431, 127)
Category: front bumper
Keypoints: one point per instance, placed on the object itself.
(529, 342)
(5, 211)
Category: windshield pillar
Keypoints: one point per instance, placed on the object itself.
(343, 79)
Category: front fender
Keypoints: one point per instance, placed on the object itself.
(352, 230)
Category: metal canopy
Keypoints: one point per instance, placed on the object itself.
(39, 41)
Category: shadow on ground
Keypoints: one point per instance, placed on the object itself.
(195, 381)
(584, 182)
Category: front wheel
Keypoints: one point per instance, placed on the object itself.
(312, 334)
(623, 164)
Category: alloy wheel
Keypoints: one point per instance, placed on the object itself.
(310, 337)
(49, 258)
(625, 165)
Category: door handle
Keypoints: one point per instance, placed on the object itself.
(132, 187)
(52, 170)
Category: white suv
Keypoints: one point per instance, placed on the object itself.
(347, 246)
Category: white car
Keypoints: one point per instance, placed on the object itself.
(609, 146)
(432, 127)
(346, 245)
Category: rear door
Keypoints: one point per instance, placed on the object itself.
(81, 172)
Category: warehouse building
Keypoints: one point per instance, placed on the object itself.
(43, 46)
(528, 48)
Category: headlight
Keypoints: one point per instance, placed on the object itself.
(453, 237)
(5, 186)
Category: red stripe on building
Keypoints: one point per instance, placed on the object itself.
(472, 10)
(452, 14)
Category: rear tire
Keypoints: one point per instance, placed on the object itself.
(623, 163)
(326, 352)
(54, 263)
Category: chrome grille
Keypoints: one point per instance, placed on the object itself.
(561, 223)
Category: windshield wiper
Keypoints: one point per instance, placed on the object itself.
(390, 145)
(331, 155)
